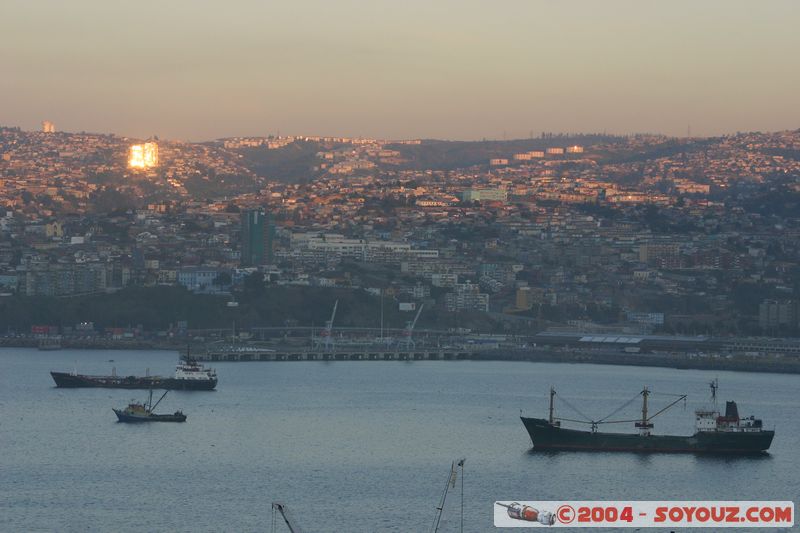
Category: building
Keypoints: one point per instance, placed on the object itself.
(650, 319)
(775, 315)
(62, 280)
(555, 151)
(8, 282)
(444, 279)
(466, 297)
(202, 280)
(324, 245)
(143, 156)
(257, 236)
(528, 156)
(524, 298)
(490, 195)
(575, 149)
(48, 127)
(505, 273)
(661, 255)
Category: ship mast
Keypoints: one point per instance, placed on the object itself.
(644, 425)
(714, 386)
(645, 394)
(552, 396)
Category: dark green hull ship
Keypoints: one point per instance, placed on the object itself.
(715, 433)
(547, 436)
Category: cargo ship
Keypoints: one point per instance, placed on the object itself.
(715, 433)
(189, 375)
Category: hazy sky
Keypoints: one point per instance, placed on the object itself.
(456, 69)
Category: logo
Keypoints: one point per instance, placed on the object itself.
(642, 514)
(565, 514)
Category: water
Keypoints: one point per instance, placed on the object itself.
(351, 446)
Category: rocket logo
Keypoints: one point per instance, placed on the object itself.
(527, 513)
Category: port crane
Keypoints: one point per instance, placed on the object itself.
(327, 331)
(280, 508)
(714, 387)
(408, 341)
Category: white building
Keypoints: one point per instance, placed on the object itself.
(466, 297)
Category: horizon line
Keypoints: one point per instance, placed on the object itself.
(406, 139)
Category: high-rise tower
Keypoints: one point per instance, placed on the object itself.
(257, 236)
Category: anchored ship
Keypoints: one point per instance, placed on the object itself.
(143, 412)
(715, 433)
(189, 375)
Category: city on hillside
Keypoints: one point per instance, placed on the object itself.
(628, 235)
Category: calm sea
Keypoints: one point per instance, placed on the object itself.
(351, 446)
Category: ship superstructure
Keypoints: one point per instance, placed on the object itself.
(192, 370)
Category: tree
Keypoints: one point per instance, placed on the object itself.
(254, 283)
(222, 279)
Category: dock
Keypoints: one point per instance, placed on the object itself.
(295, 354)
(742, 363)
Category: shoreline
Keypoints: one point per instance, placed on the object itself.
(103, 344)
(765, 364)
(680, 361)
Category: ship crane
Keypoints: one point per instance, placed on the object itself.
(643, 424)
(280, 508)
(451, 482)
(408, 333)
(153, 407)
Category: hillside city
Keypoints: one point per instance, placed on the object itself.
(641, 234)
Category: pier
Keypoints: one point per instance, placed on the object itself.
(743, 363)
(255, 354)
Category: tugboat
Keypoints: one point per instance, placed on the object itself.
(189, 375)
(143, 412)
(714, 433)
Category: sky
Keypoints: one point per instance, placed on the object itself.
(449, 69)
